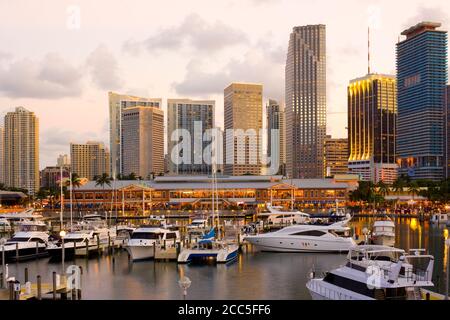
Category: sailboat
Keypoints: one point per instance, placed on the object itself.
(209, 247)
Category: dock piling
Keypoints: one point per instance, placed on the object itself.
(87, 248)
(37, 249)
(17, 251)
(54, 285)
(39, 288)
(26, 275)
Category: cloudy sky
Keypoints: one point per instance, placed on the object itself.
(60, 58)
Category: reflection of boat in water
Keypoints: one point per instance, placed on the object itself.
(376, 273)
(208, 248)
(304, 238)
(383, 232)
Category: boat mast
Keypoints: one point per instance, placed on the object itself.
(61, 222)
(71, 200)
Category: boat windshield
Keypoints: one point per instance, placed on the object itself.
(14, 240)
(145, 235)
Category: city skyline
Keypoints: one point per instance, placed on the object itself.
(192, 58)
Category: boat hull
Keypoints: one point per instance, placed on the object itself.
(218, 255)
(275, 244)
(138, 253)
(384, 240)
(24, 253)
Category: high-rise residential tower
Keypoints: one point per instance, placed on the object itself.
(372, 119)
(90, 159)
(336, 156)
(195, 117)
(421, 81)
(447, 132)
(276, 121)
(63, 160)
(142, 141)
(305, 95)
(21, 150)
(118, 102)
(242, 124)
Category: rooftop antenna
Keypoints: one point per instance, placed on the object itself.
(368, 50)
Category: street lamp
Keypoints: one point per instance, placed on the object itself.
(62, 234)
(184, 284)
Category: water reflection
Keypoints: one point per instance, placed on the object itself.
(254, 275)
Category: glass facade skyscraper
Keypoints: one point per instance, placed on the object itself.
(421, 80)
(305, 94)
(372, 119)
(187, 114)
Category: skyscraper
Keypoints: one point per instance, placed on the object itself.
(196, 117)
(372, 118)
(276, 120)
(421, 80)
(447, 132)
(242, 111)
(63, 160)
(305, 85)
(118, 102)
(21, 150)
(336, 156)
(90, 159)
(142, 141)
(2, 165)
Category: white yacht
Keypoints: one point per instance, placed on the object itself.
(197, 224)
(276, 216)
(144, 240)
(383, 232)
(5, 226)
(74, 244)
(439, 218)
(208, 248)
(304, 238)
(376, 273)
(29, 242)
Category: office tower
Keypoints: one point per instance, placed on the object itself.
(21, 150)
(421, 80)
(89, 160)
(2, 165)
(242, 123)
(276, 121)
(447, 132)
(195, 117)
(305, 95)
(372, 118)
(142, 141)
(118, 102)
(336, 156)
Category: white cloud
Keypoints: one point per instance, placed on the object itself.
(50, 78)
(104, 69)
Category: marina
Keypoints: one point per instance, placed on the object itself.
(253, 274)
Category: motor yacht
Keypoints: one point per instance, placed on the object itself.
(439, 218)
(376, 273)
(82, 242)
(304, 238)
(29, 242)
(383, 232)
(143, 241)
(277, 217)
(208, 248)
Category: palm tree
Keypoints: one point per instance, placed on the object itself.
(103, 180)
(413, 188)
(383, 189)
(132, 176)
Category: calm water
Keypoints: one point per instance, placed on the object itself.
(255, 275)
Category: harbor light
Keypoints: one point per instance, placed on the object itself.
(62, 233)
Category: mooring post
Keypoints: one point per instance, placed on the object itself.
(54, 284)
(11, 290)
(74, 287)
(17, 251)
(87, 248)
(39, 288)
(37, 249)
(26, 275)
(1, 280)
